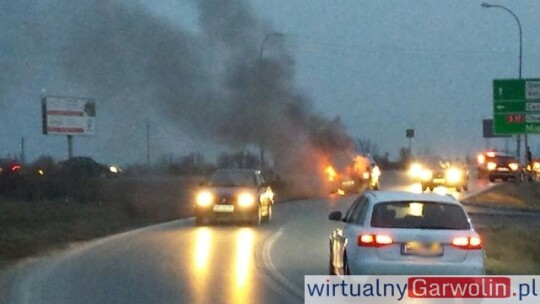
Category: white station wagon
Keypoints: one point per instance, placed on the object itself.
(403, 233)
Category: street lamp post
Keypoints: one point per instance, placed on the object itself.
(487, 5)
(259, 61)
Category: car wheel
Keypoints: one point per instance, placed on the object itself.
(346, 269)
(268, 217)
(424, 188)
(331, 270)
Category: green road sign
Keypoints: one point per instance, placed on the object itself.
(516, 106)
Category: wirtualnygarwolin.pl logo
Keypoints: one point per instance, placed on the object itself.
(422, 289)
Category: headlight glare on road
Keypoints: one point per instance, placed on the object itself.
(205, 198)
(453, 175)
(514, 166)
(491, 166)
(246, 200)
(426, 174)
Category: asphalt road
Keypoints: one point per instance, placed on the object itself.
(179, 263)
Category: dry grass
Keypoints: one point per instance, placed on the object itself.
(31, 228)
(516, 195)
(512, 249)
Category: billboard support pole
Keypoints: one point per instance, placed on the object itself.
(70, 146)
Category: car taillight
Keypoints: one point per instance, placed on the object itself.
(472, 242)
(491, 166)
(374, 240)
(513, 166)
(15, 168)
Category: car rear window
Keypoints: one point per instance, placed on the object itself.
(419, 215)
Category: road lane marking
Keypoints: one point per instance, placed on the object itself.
(285, 286)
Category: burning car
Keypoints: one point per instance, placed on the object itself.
(363, 172)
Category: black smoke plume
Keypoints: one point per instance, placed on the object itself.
(211, 82)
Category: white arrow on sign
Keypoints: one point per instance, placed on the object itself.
(500, 91)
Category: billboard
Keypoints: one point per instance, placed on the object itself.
(69, 116)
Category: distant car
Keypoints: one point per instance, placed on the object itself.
(9, 167)
(497, 165)
(400, 233)
(86, 167)
(363, 173)
(234, 194)
(440, 172)
(536, 167)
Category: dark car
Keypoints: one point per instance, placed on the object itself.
(497, 165)
(9, 167)
(441, 172)
(237, 194)
(84, 167)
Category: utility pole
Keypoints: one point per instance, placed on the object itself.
(23, 154)
(487, 5)
(148, 143)
(70, 146)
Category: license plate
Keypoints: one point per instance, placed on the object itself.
(224, 208)
(422, 249)
(503, 169)
(439, 180)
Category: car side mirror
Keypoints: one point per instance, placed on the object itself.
(335, 216)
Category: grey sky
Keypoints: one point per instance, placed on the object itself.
(382, 66)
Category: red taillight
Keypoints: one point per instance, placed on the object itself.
(472, 242)
(15, 168)
(374, 240)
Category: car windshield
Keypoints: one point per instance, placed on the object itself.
(233, 178)
(502, 159)
(419, 215)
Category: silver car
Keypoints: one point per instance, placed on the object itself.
(403, 233)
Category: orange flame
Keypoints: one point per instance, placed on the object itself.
(330, 173)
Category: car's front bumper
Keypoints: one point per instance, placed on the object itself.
(238, 213)
(504, 174)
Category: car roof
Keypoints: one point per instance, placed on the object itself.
(394, 196)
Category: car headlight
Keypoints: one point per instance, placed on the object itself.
(365, 175)
(205, 198)
(246, 200)
(376, 172)
(514, 166)
(537, 165)
(453, 175)
(415, 170)
(426, 174)
(491, 166)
